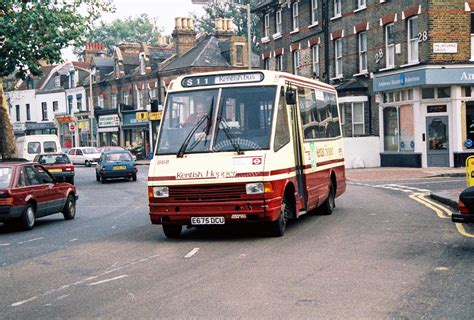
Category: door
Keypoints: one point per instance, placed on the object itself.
(39, 190)
(437, 148)
(299, 163)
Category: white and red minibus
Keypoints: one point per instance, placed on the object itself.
(252, 146)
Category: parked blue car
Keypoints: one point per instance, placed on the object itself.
(116, 164)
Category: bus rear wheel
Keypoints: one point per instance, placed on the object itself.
(328, 206)
(172, 230)
(278, 227)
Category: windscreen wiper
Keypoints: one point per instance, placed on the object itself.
(229, 135)
(186, 141)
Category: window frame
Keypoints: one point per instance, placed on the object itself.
(28, 112)
(337, 8)
(389, 46)
(296, 61)
(353, 122)
(44, 111)
(295, 16)
(412, 42)
(17, 111)
(314, 12)
(363, 54)
(278, 23)
(338, 66)
(279, 62)
(315, 60)
(266, 25)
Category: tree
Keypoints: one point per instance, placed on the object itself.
(33, 30)
(141, 28)
(226, 9)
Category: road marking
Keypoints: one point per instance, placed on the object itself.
(62, 297)
(108, 280)
(31, 240)
(438, 209)
(463, 231)
(4, 244)
(191, 253)
(441, 269)
(72, 240)
(77, 283)
(19, 303)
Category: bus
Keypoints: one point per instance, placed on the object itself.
(252, 146)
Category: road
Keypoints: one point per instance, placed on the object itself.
(380, 255)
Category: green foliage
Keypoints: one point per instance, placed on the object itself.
(132, 29)
(34, 30)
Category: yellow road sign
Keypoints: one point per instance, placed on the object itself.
(470, 171)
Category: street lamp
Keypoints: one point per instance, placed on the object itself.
(91, 107)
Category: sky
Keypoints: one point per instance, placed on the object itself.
(164, 10)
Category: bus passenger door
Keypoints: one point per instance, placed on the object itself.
(302, 201)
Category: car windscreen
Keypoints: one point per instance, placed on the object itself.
(53, 159)
(5, 176)
(90, 150)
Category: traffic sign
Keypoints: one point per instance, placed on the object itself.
(470, 171)
(155, 115)
(72, 126)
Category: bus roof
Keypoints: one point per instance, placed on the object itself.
(242, 77)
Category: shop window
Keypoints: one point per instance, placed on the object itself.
(469, 133)
(398, 127)
(436, 93)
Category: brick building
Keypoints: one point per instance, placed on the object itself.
(403, 69)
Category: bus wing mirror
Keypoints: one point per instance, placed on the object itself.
(290, 96)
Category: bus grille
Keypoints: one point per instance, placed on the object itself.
(207, 193)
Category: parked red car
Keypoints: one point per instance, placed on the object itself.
(465, 206)
(58, 164)
(28, 191)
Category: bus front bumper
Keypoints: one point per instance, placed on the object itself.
(244, 211)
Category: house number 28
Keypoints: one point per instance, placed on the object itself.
(422, 36)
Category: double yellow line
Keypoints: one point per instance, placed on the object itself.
(441, 211)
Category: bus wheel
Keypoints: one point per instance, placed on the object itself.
(278, 227)
(328, 206)
(172, 230)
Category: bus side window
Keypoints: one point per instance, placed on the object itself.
(282, 131)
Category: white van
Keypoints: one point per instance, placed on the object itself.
(29, 146)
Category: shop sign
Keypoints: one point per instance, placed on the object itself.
(65, 119)
(19, 127)
(142, 116)
(155, 115)
(131, 119)
(83, 125)
(109, 121)
(445, 48)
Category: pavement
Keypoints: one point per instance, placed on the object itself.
(448, 197)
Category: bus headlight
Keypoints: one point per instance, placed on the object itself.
(161, 192)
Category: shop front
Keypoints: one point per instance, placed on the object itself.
(426, 116)
(83, 129)
(109, 130)
(32, 128)
(136, 132)
(66, 136)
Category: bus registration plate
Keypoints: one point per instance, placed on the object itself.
(207, 220)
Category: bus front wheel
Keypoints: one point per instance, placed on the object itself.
(328, 206)
(278, 227)
(172, 230)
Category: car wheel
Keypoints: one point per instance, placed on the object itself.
(328, 206)
(87, 163)
(172, 230)
(278, 227)
(97, 177)
(103, 179)
(69, 211)
(28, 217)
(134, 177)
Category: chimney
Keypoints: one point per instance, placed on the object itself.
(224, 29)
(93, 50)
(184, 35)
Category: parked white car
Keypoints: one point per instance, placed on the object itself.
(84, 155)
